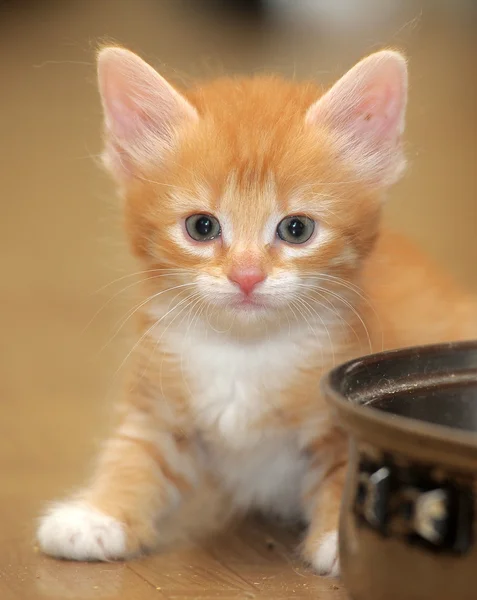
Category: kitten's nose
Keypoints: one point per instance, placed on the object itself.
(247, 279)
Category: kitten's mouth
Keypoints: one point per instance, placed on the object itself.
(248, 303)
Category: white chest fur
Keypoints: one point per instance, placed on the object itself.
(233, 385)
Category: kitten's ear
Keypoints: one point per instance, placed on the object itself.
(365, 111)
(142, 112)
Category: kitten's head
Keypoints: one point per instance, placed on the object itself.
(253, 194)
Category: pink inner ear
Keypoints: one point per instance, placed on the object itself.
(378, 115)
(141, 109)
(135, 108)
(365, 109)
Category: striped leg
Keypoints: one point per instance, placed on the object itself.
(141, 476)
(322, 500)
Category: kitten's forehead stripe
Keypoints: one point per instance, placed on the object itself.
(247, 201)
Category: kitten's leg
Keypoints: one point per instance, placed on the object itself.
(322, 494)
(143, 472)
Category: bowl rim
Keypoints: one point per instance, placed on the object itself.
(397, 430)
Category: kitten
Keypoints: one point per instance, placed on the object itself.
(253, 207)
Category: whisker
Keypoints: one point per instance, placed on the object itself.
(199, 302)
(219, 331)
(294, 302)
(289, 324)
(353, 309)
(148, 331)
(156, 344)
(352, 286)
(135, 309)
(161, 379)
(184, 308)
(121, 291)
(360, 293)
(344, 323)
(135, 274)
(346, 284)
(312, 310)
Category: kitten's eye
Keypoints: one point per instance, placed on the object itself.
(202, 228)
(296, 229)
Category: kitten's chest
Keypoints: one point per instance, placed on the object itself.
(234, 386)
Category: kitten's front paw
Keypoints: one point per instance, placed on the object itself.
(80, 532)
(326, 559)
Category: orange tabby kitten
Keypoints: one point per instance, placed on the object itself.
(253, 206)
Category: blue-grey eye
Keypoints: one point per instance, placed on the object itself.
(296, 229)
(202, 228)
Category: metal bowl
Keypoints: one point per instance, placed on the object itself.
(407, 526)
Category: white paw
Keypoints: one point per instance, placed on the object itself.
(79, 532)
(326, 560)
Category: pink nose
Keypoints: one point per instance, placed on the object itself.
(247, 279)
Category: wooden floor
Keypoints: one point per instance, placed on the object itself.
(61, 242)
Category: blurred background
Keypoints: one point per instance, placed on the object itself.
(60, 230)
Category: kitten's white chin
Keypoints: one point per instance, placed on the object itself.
(249, 304)
(253, 313)
(241, 309)
(240, 303)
